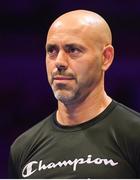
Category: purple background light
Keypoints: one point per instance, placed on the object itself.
(25, 96)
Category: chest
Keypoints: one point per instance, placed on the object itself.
(76, 155)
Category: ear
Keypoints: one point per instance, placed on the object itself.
(108, 56)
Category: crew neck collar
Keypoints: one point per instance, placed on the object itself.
(86, 124)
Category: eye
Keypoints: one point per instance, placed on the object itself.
(52, 51)
(73, 50)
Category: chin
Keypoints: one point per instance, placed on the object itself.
(66, 98)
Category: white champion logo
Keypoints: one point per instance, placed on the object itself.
(34, 166)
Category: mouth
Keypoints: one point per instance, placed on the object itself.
(62, 78)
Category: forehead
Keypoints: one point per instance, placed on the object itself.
(70, 34)
(67, 36)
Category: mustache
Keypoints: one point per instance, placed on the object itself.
(61, 73)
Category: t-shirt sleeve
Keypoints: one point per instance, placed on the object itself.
(12, 173)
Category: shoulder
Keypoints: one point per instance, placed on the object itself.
(126, 122)
(127, 114)
(125, 130)
(32, 135)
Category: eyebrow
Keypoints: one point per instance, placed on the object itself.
(50, 46)
(65, 46)
(74, 45)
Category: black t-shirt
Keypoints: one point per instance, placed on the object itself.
(108, 146)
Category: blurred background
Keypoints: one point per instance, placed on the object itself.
(25, 96)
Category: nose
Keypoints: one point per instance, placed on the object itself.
(61, 61)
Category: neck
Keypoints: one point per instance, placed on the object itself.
(75, 114)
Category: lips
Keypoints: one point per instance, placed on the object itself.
(63, 78)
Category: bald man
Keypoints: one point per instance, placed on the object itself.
(89, 135)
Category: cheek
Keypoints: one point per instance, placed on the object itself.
(82, 74)
(89, 72)
(84, 69)
(49, 70)
(49, 65)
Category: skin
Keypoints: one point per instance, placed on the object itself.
(78, 52)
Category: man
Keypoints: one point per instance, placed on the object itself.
(90, 135)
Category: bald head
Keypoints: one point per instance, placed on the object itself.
(78, 46)
(82, 20)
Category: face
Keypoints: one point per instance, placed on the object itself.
(74, 63)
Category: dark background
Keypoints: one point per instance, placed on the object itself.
(25, 96)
